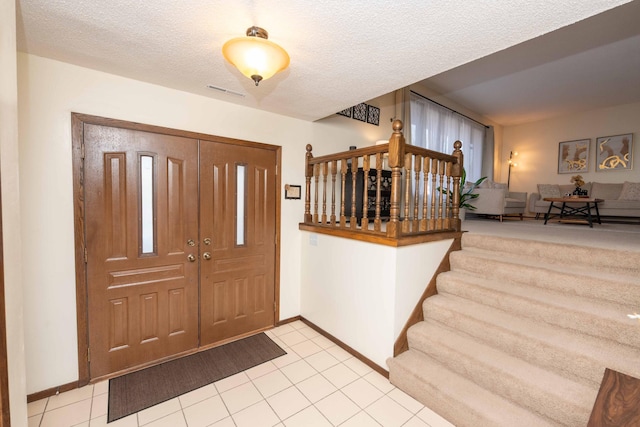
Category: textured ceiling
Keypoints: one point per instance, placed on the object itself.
(594, 63)
(342, 52)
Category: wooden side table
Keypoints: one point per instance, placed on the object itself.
(566, 206)
(618, 401)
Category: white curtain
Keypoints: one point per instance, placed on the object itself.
(436, 128)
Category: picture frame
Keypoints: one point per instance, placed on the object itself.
(614, 152)
(292, 191)
(573, 156)
(360, 112)
(346, 112)
(373, 115)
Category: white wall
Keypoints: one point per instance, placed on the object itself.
(415, 267)
(11, 221)
(537, 145)
(363, 293)
(48, 92)
(361, 134)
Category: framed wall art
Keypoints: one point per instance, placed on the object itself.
(373, 115)
(360, 112)
(614, 152)
(573, 156)
(292, 191)
(346, 112)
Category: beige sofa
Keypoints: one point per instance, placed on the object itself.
(620, 199)
(495, 200)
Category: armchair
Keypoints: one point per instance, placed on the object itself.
(494, 199)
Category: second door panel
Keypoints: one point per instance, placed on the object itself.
(237, 214)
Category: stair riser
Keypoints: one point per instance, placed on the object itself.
(509, 385)
(440, 390)
(445, 406)
(578, 367)
(621, 330)
(585, 285)
(508, 343)
(557, 253)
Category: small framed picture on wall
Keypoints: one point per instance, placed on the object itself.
(292, 191)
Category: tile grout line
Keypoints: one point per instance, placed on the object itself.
(321, 365)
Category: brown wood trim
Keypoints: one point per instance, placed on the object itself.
(381, 239)
(382, 148)
(402, 344)
(419, 151)
(348, 349)
(5, 419)
(52, 391)
(104, 121)
(276, 290)
(289, 320)
(77, 137)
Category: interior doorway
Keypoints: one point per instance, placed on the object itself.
(5, 420)
(178, 236)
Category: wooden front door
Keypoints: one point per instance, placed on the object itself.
(155, 286)
(238, 230)
(141, 233)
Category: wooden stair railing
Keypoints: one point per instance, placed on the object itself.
(415, 207)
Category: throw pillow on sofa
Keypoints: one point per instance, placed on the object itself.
(549, 190)
(630, 191)
(605, 191)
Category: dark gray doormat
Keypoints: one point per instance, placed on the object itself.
(139, 390)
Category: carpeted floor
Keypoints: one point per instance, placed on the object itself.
(524, 324)
(142, 389)
(612, 235)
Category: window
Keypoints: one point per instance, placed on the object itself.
(147, 204)
(436, 128)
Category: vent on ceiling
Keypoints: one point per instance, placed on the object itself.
(223, 90)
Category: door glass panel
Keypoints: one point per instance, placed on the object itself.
(241, 194)
(147, 205)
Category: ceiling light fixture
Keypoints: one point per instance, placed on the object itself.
(255, 56)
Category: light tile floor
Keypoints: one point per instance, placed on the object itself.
(316, 384)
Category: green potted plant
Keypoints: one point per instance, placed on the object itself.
(465, 194)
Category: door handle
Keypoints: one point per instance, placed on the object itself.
(206, 255)
(207, 241)
(191, 258)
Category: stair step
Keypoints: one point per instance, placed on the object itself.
(558, 253)
(569, 353)
(554, 396)
(601, 319)
(574, 280)
(521, 332)
(454, 397)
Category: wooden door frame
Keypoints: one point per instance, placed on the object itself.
(5, 419)
(78, 121)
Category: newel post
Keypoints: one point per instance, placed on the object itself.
(307, 193)
(396, 163)
(456, 173)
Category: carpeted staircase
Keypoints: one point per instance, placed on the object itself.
(521, 332)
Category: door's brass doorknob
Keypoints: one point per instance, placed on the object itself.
(191, 258)
(206, 255)
(207, 241)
